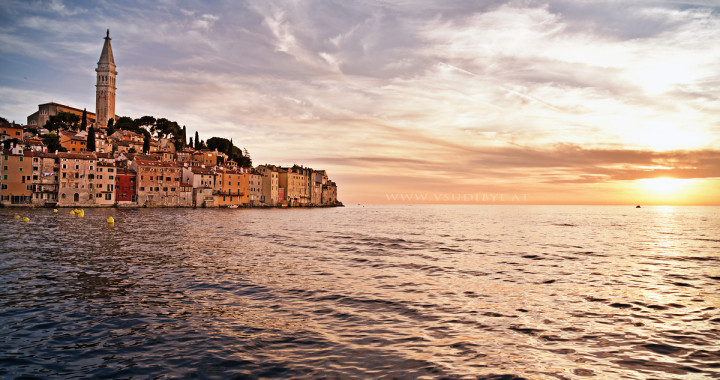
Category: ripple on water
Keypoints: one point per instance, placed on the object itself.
(407, 292)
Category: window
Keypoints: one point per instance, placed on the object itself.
(21, 158)
(64, 175)
(110, 170)
(142, 188)
(5, 167)
(77, 167)
(98, 195)
(165, 189)
(29, 187)
(111, 177)
(167, 179)
(20, 168)
(35, 159)
(64, 165)
(4, 186)
(99, 186)
(108, 197)
(5, 177)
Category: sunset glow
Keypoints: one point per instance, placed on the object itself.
(565, 102)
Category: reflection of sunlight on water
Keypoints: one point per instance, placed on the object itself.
(665, 209)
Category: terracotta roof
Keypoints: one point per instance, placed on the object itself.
(81, 156)
(201, 170)
(157, 163)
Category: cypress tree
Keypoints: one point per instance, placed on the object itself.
(83, 123)
(184, 137)
(197, 140)
(146, 143)
(91, 139)
(191, 143)
(111, 127)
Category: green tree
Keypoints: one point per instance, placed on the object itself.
(83, 123)
(91, 139)
(184, 137)
(145, 122)
(62, 121)
(4, 120)
(191, 143)
(52, 142)
(146, 142)
(197, 141)
(111, 127)
(126, 124)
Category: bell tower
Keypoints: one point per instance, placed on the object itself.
(105, 85)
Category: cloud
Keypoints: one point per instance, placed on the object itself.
(509, 91)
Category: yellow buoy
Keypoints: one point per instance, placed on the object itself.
(55, 210)
(81, 214)
(17, 216)
(111, 220)
(26, 219)
(72, 212)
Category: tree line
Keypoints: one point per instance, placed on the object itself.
(148, 126)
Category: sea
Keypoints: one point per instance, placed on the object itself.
(362, 292)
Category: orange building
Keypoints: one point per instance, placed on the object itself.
(16, 180)
(11, 131)
(158, 183)
(72, 142)
(232, 187)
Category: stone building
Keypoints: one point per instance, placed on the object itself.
(158, 183)
(75, 182)
(45, 167)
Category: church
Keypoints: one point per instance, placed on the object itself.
(104, 95)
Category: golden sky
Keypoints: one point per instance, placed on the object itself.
(578, 102)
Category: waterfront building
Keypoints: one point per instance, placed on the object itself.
(185, 198)
(45, 169)
(329, 194)
(255, 180)
(125, 187)
(76, 181)
(158, 183)
(269, 186)
(15, 178)
(105, 183)
(232, 187)
(296, 182)
(202, 181)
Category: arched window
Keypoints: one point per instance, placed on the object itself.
(63, 196)
(76, 197)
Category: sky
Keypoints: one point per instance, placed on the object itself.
(423, 101)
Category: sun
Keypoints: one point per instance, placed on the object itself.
(664, 185)
(667, 190)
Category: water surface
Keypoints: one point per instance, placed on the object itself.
(541, 292)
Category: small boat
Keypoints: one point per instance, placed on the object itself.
(233, 206)
(638, 206)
